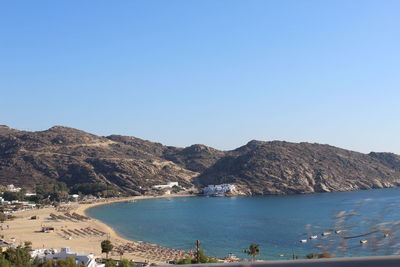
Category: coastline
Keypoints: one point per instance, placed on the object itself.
(82, 210)
(84, 207)
(24, 228)
(82, 236)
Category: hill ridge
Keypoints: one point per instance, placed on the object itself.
(134, 165)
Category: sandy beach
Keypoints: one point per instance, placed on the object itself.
(74, 229)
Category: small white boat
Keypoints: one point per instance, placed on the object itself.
(326, 233)
(338, 231)
(303, 241)
(386, 235)
(313, 237)
(363, 241)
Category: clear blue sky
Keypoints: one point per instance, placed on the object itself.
(214, 72)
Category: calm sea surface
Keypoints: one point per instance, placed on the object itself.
(276, 223)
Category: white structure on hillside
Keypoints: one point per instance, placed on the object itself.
(168, 185)
(12, 188)
(88, 260)
(218, 190)
(75, 197)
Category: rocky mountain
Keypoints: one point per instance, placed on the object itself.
(72, 156)
(290, 168)
(133, 165)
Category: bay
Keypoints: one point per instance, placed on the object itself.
(277, 223)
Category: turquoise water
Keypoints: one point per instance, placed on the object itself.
(276, 223)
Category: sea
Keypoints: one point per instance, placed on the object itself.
(276, 223)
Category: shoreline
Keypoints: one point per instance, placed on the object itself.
(82, 210)
(84, 207)
(82, 233)
(24, 228)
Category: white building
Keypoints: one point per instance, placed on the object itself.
(41, 253)
(168, 185)
(12, 188)
(218, 190)
(75, 197)
(88, 260)
(4, 202)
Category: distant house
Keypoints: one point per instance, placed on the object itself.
(42, 252)
(88, 260)
(168, 185)
(12, 188)
(75, 197)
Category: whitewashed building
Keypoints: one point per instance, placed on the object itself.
(168, 185)
(88, 260)
(12, 188)
(218, 190)
(42, 252)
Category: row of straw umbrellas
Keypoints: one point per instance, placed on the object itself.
(152, 252)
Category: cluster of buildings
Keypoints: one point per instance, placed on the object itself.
(88, 260)
(16, 205)
(218, 190)
(14, 189)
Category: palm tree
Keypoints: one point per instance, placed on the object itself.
(106, 247)
(121, 253)
(253, 251)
